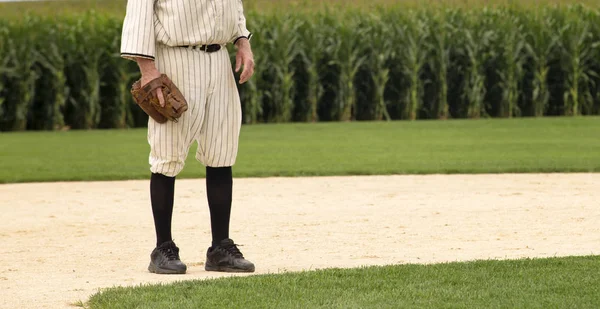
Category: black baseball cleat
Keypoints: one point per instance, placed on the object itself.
(227, 257)
(164, 259)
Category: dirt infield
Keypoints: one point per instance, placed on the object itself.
(63, 241)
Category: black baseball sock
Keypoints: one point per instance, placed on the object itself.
(162, 191)
(219, 186)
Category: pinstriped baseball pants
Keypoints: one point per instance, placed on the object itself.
(214, 114)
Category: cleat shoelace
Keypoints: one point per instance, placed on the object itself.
(233, 250)
(170, 253)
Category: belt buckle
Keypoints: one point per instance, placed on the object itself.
(207, 48)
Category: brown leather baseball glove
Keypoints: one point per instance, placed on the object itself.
(145, 97)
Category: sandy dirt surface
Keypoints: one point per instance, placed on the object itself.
(61, 242)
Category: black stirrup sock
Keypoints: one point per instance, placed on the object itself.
(162, 191)
(219, 186)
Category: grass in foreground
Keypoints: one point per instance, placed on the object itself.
(569, 282)
(359, 148)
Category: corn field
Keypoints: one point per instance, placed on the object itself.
(382, 64)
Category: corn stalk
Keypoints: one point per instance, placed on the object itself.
(594, 19)
(20, 74)
(310, 37)
(347, 55)
(117, 75)
(282, 48)
(380, 54)
(441, 33)
(85, 39)
(578, 49)
(476, 39)
(5, 68)
(512, 59)
(53, 97)
(412, 40)
(540, 45)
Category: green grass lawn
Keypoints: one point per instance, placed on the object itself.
(359, 148)
(570, 282)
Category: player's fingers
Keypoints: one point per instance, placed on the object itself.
(244, 75)
(248, 70)
(238, 62)
(161, 99)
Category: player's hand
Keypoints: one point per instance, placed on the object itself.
(245, 58)
(149, 72)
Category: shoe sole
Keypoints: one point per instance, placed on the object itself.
(157, 270)
(227, 269)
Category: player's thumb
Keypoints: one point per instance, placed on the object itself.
(161, 99)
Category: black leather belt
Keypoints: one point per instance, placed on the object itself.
(206, 48)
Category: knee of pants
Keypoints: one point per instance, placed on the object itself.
(216, 160)
(168, 148)
(170, 168)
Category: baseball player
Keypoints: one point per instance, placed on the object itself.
(186, 40)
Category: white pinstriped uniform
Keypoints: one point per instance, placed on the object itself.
(153, 29)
